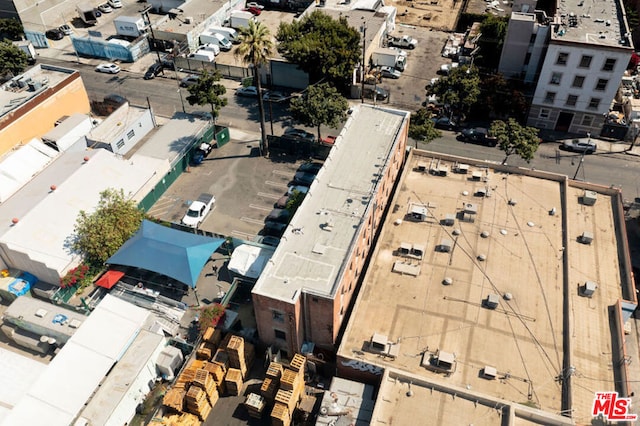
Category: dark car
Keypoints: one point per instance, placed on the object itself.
(54, 34)
(168, 64)
(310, 167)
(278, 215)
(379, 93)
(153, 71)
(478, 135)
(274, 229)
(282, 201)
(444, 123)
(303, 178)
(300, 134)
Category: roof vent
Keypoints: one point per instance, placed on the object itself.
(41, 313)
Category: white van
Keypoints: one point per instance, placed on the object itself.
(229, 33)
(203, 55)
(210, 47)
(216, 38)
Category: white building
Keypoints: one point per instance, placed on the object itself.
(578, 58)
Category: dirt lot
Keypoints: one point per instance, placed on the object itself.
(436, 14)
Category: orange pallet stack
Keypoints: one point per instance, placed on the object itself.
(235, 349)
(205, 381)
(184, 419)
(222, 359)
(218, 375)
(212, 335)
(297, 364)
(174, 399)
(255, 405)
(233, 381)
(205, 351)
(275, 370)
(280, 415)
(288, 398)
(290, 380)
(269, 388)
(196, 402)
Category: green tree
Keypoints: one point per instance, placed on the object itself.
(501, 98)
(294, 201)
(12, 59)
(460, 89)
(99, 234)
(255, 49)
(207, 91)
(321, 104)
(421, 128)
(325, 48)
(493, 30)
(11, 28)
(514, 138)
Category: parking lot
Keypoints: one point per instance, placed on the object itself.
(245, 185)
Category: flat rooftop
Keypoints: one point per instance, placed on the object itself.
(197, 10)
(332, 212)
(506, 249)
(591, 22)
(16, 91)
(112, 126)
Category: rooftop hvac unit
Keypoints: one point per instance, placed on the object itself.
(470, 208)
(489, 373)
(445, 360)
(586, 238)
(589, 198)
(188, 19)
(444, 246)
(492, 301)
(449, 219)
(421, 167)
(588, 288)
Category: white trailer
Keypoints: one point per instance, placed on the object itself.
(130, 26)
(240, 18)
(389, 57)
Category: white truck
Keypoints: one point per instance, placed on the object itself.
(203, 55)
(405, 41)
(389, 57)
(212, 37)
(228, 32)
(27, 47)
(87, 13)
(130, 26)
(240, 18)
(198, 210)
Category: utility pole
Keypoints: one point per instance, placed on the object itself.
(364, 51)
(581, 163)
(145, 13)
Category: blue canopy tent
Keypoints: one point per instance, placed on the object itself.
(176, 254)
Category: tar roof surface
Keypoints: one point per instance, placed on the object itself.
(599, 23)
(332, 211)
(522, 337)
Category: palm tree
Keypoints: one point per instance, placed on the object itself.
(256, 47)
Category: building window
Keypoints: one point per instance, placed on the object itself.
(549, 97)
(562, 58)
(587, 120)
(572, 100)
(594, 103)
(585, 61)
(544, 113)
(120, 144)
(131, 134)
(578, 81)
(555, 78)
(609, 64)
(280, 334)
(602, 84)
(277, 316)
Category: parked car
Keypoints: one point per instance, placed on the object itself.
(274, 229)
(282, 202)
(478, 135)
(446, 68)
(189, 80)
(328, 140)
(54, 34)
(267, 240)
(255, 4)
(310, 167)
(105, 8)
(116, 4)
(379, 93)
(108, 67)
(153, 71)
(274, 96)
(97, 12)
(300, 134)
(390, 72)
(248, 92)
(254, 11)
(404, 41)
(444, 123)
(580, 145)
(198, 210)
(168, 64)
(303, 178)
(66, 29)
(300, 188)
(278, 215)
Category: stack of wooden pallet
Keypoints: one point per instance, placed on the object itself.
(255, 405)
(275, 370)
(218, 375)
(222, 359)
(187, 375)
(196, 402)
(249, 354)
(288, 398)
(174, 398)
(233, 381)
(184, 419)
(280, 415)
(205, 381)
(205, 351)
(298, 364)
(212, 335)
(269, 388)
(235, 349)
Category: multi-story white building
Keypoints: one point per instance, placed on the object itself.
(577, 60)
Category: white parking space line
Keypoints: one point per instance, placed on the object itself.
(278, 184)
(254, 206)
(267, 195)
(250, 220)
(243, 235)
(281, 172)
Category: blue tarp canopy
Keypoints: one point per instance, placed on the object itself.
(176, 254)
